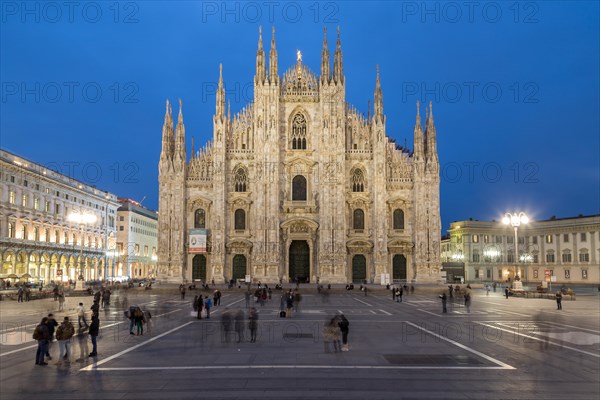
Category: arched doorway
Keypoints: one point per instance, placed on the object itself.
(399, 267)
(299, 268)
(359, 268)
(199, 268)
(239, 267)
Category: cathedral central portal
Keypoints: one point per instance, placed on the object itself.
(299, 268)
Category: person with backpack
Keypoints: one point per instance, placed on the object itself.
(138, 316)
(64, 333)
(41, 335)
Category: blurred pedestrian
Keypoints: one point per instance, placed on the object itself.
(195, 303)
(247, 298)
(81, 316)
(199, 307)
(506, 291)
(61, 301)
(468, 301)
(253, 324)
(331, 333)
(64, 333)
(95, 308)
(239, 325)
(226, 325)
(82, 338)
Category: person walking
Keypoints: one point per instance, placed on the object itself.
(95, 308)
(247, 298)
(199, 307)
(331, 334)
(344, 325)
(239, 325)
(138, 316)
(208, 305)
(399, 294)
(468, 301)
(81, 316)
(444, 300)
(195, 303)
(82, 340)
(253, 324)
(20, 294)
(182, 290)
(393, 294)
(558, 300)
(64, 333)
(94, 332)
(41, 334)
(226, 325)
(506, 292)
(61, 301)
(289, 303)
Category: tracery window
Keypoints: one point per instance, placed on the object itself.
(299, 188)
(200, 218)
(241, 179)
(299, 132)
(358, 181)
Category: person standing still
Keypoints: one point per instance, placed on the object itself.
(506, 292)
(41, 335)
(208, 305)
(94, 332)
(444, 301)
(344, 325)
(200, 306)
(51, 324)
(559, 300)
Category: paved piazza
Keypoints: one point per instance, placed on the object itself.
(503, 349)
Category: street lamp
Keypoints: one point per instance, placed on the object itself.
(515, 220)
(81, 219)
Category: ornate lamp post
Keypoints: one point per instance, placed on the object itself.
(81, 219)
(515, 220)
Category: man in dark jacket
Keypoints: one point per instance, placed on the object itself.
(344, 325)
(51, 324)
(41, 335)
(94, 331)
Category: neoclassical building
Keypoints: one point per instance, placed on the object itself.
(39, 241)
(299, 185)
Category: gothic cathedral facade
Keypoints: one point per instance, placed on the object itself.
(298, 186)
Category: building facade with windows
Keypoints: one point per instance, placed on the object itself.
(556, 250)
(299, 186)
(137, 236)
(38, 241)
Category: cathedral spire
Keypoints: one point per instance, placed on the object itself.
(260, 60)
(325, 72)
(378, 103)
(220, 106)
(273, 74)
(431, 139)
(418, 136)
(167, 135)
(180, 136)
(338, 69)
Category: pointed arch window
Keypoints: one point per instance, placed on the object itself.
(398, 219)
(240, 219)
(200, 218)
(299, 132)
(358, 181)
(358, 219)
(240, 180)
(299, 188)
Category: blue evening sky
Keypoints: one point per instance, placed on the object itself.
(514, 86)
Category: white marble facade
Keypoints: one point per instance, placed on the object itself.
(300, 185)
